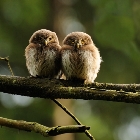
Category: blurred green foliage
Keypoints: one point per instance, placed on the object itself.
(114, 27)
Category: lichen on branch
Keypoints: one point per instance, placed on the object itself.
(43, 130)
(62, 89)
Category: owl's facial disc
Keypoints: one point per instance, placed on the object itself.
(77, 43)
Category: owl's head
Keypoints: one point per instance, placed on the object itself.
(44, 37)
(77, 39)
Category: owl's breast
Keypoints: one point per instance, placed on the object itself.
(77, 64)
(41, 63)
(47, 64)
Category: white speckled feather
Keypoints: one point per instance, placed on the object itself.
(88, 70)
(40, 67)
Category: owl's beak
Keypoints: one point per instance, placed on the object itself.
(79, 44)
(46, 42)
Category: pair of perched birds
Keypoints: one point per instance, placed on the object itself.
(78, 58)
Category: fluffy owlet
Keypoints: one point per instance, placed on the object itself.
(80, 57)
(43, 54)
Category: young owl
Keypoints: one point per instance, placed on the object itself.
(43, 54)
(80, 58)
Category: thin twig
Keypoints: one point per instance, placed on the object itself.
(8, 63)
(43, 130)
(74, 118)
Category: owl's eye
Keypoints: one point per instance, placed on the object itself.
(50, 38)
(82, 41)
(72, 42)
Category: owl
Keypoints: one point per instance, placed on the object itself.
(43, 54)
(80, 58)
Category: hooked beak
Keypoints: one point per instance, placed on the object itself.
(46, 42)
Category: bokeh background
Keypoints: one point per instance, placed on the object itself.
(115, 29)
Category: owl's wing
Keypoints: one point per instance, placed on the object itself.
(57, 48)
(31, 58)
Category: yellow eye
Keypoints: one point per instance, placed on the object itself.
(82, 42)
(72, 42)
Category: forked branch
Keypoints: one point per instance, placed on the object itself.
(43, 130)
(8, 63)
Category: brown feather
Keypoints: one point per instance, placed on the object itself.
(80, 62)
(41, 59)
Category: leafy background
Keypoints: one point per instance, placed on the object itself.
(114, 27)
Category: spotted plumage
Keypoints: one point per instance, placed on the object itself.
(80, 57)
(43, 54)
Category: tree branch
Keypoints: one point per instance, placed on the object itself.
(43, 130)
(73, 117)
(8, 63)
(54, 89)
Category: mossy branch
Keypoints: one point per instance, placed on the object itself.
(43, 130)
(54, 89)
